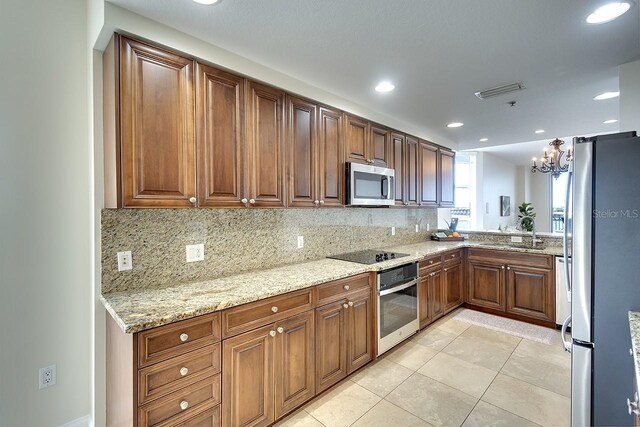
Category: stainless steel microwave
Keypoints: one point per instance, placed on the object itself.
(370, 185)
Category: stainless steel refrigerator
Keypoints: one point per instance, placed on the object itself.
(602, 231)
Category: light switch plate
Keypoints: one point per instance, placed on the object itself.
(516, 239)
(300, 242)
(417, 228)
(195, 252)
(393, 231)
(125, 262)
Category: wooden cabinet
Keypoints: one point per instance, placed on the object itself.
(379, 148)
(447, 179)
(356, 139)
(436, 295)
(486, 285)
(151, 139)
(441, 286)
(331, 345)
(453, 285)
(423, 300)
(330, 171)
(398, 164)
(429, 174)
(220, 137)
(530, 292)
(303, 154)
(265, 145)
(359, 330)
(412, 172)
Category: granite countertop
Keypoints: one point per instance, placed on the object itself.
(634, 327)
(138, 310)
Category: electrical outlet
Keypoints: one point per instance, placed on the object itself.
(516, 239)
(195, 252)
(393, 231)
(428, 227)
(47, 376)
(300, 242)
(125, 262)
(417, 228)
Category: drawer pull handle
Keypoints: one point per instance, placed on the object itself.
(350, 303)
(184, 337)
(345, 305)
(184, 371)
(430, 261)
(453, 256)
(346, 287)
(184, 405)
(272, 333)
(280, 329)
(274, 309)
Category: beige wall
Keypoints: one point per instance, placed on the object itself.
(630, 96)
(45, 215)
(499, 178)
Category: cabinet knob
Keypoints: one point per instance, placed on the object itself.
(272, 333)
(508, 268)
(316, 202)
(280, 329)
(345, 305)
(430, 261)
(346, 287)
(445, 269)
(184, 371)
(406, 203)
(244, 200)
(184, 337)
(274, 309)
(453, 255)
(322, 202)
(350, 303)
(184, 405)
(252, 201)
(433, 274)
(502, 267)
(193, 200)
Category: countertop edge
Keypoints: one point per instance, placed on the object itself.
(634, 328)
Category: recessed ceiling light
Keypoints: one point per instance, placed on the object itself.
(385, 87)
(606, 95)
(608, 12)
(540, 131)
(455, 125)
(608, 122)
(484, 139)
(207, 2)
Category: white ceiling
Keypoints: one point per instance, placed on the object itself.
(437, 52)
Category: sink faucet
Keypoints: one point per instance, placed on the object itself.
(534, 240)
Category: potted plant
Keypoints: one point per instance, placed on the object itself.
(526, 216)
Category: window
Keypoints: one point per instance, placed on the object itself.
(558, 195)
(465, 190)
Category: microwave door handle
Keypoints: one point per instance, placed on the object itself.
(384, 196)
(389, 188)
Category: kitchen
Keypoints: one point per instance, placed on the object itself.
(249, 248)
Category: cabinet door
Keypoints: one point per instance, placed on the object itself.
(331, 157)
(428, 175)
(301, 141)
(436, 295)
(357, 139)
(398, 164)
(359, 331)
(411, 175)
(247, 383)
(265, 139)
(379, 151)
(331, 345)
(220, 118)
(294, 370)
(157, 129)
(423, 301)
(453, 290)
(447, 183)
(531, 292)
(486, 285)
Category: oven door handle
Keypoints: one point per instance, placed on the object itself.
(398, 288)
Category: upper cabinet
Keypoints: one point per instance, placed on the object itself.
(303, 152)
(220, 150)
(412, 171)
(447, 159)
(357, 139)
(379, 146)
(398, 164)
(330, 168)
(155, 128)
(429, 176)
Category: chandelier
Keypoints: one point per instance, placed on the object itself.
(551, 162)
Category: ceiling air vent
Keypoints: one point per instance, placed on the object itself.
(500, 90)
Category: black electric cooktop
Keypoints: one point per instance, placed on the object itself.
(368, 257)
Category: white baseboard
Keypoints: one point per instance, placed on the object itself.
(79, 422)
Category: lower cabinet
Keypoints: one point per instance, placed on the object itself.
(453, 286)
(486, 285)
(530, 292)
(435, 295)
(441, 286)
(268, 371)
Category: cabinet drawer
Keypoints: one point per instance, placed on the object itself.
(453, 256)
(333, 291)
(165, 342)
(253, 315)
(181, 405)
(431, 261)
(173, 374)
(208, 418)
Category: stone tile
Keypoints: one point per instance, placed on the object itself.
(464, 376)
(537, 371)
(553, 353)
(486, 415)
(436, 339)
(382, 376)
(386, 414)
(343, 405)
(434, 402)
(300, 418)
(529, 401)
(411, 355)
(506, 341)
(478, 351)
(454, 326)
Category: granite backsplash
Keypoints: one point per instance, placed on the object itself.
(241, 240)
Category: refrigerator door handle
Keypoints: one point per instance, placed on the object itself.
(565, 236)
(581, 393)
(566, 344)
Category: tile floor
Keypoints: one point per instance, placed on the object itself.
(451, 374)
